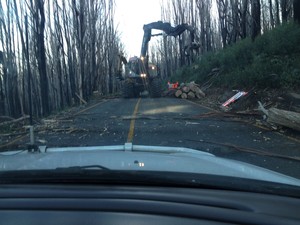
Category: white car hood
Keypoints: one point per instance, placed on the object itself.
(138, 157)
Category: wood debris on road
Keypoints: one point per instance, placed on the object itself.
(14, 121)
(187, 91)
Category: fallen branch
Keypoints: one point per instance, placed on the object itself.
(13, 134)
(14, 121)
(222, 115)
(212, 78)
(262, 108)
(49, 121)
(12, 142)
(81, 99)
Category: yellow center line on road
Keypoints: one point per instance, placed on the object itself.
(132, 122)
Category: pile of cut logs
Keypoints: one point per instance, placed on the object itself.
(189, 91)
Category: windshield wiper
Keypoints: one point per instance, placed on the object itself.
(89, 167)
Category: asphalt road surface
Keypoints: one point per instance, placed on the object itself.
(181, 123)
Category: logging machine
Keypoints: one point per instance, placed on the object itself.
(141, 75)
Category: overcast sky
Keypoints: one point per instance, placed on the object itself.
(130, 17)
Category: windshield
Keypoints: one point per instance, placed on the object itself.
(213, 78)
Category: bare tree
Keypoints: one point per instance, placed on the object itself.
(70, 50)
(285, 10)
(39, 16)
(255, 22)
(244, 12)
(271, 13)
(296, 8)
(223, 12)
(205, 24)
(277, 12)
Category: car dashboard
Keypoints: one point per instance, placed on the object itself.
(134, 204)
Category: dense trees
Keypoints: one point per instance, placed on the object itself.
(220, 23)
(69, 53)
(255, 18)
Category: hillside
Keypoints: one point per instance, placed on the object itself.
(268, 69)
(272, 61)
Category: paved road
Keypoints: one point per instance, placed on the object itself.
(177, 122)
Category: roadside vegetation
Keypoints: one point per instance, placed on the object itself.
(271, 61)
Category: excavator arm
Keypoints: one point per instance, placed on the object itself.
(168, 30)
(140, 75)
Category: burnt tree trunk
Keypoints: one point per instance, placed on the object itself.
(277, 12)
(271, 13)
(222, 12)
(244, 19)
(41, 56)
(235, 21)
(284, 10)
(296, 6)
(255, 21)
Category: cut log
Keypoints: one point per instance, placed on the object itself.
(193, 87)
(185, 89)
(284, 118)
(200, 92)
(178, 93)
(198, 96)
(184, 95)
(191, 90)
(191, 95)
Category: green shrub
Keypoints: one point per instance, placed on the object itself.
(283, 40)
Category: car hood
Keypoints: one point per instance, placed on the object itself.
(139, 158)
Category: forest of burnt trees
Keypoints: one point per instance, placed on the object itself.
(66, 49)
